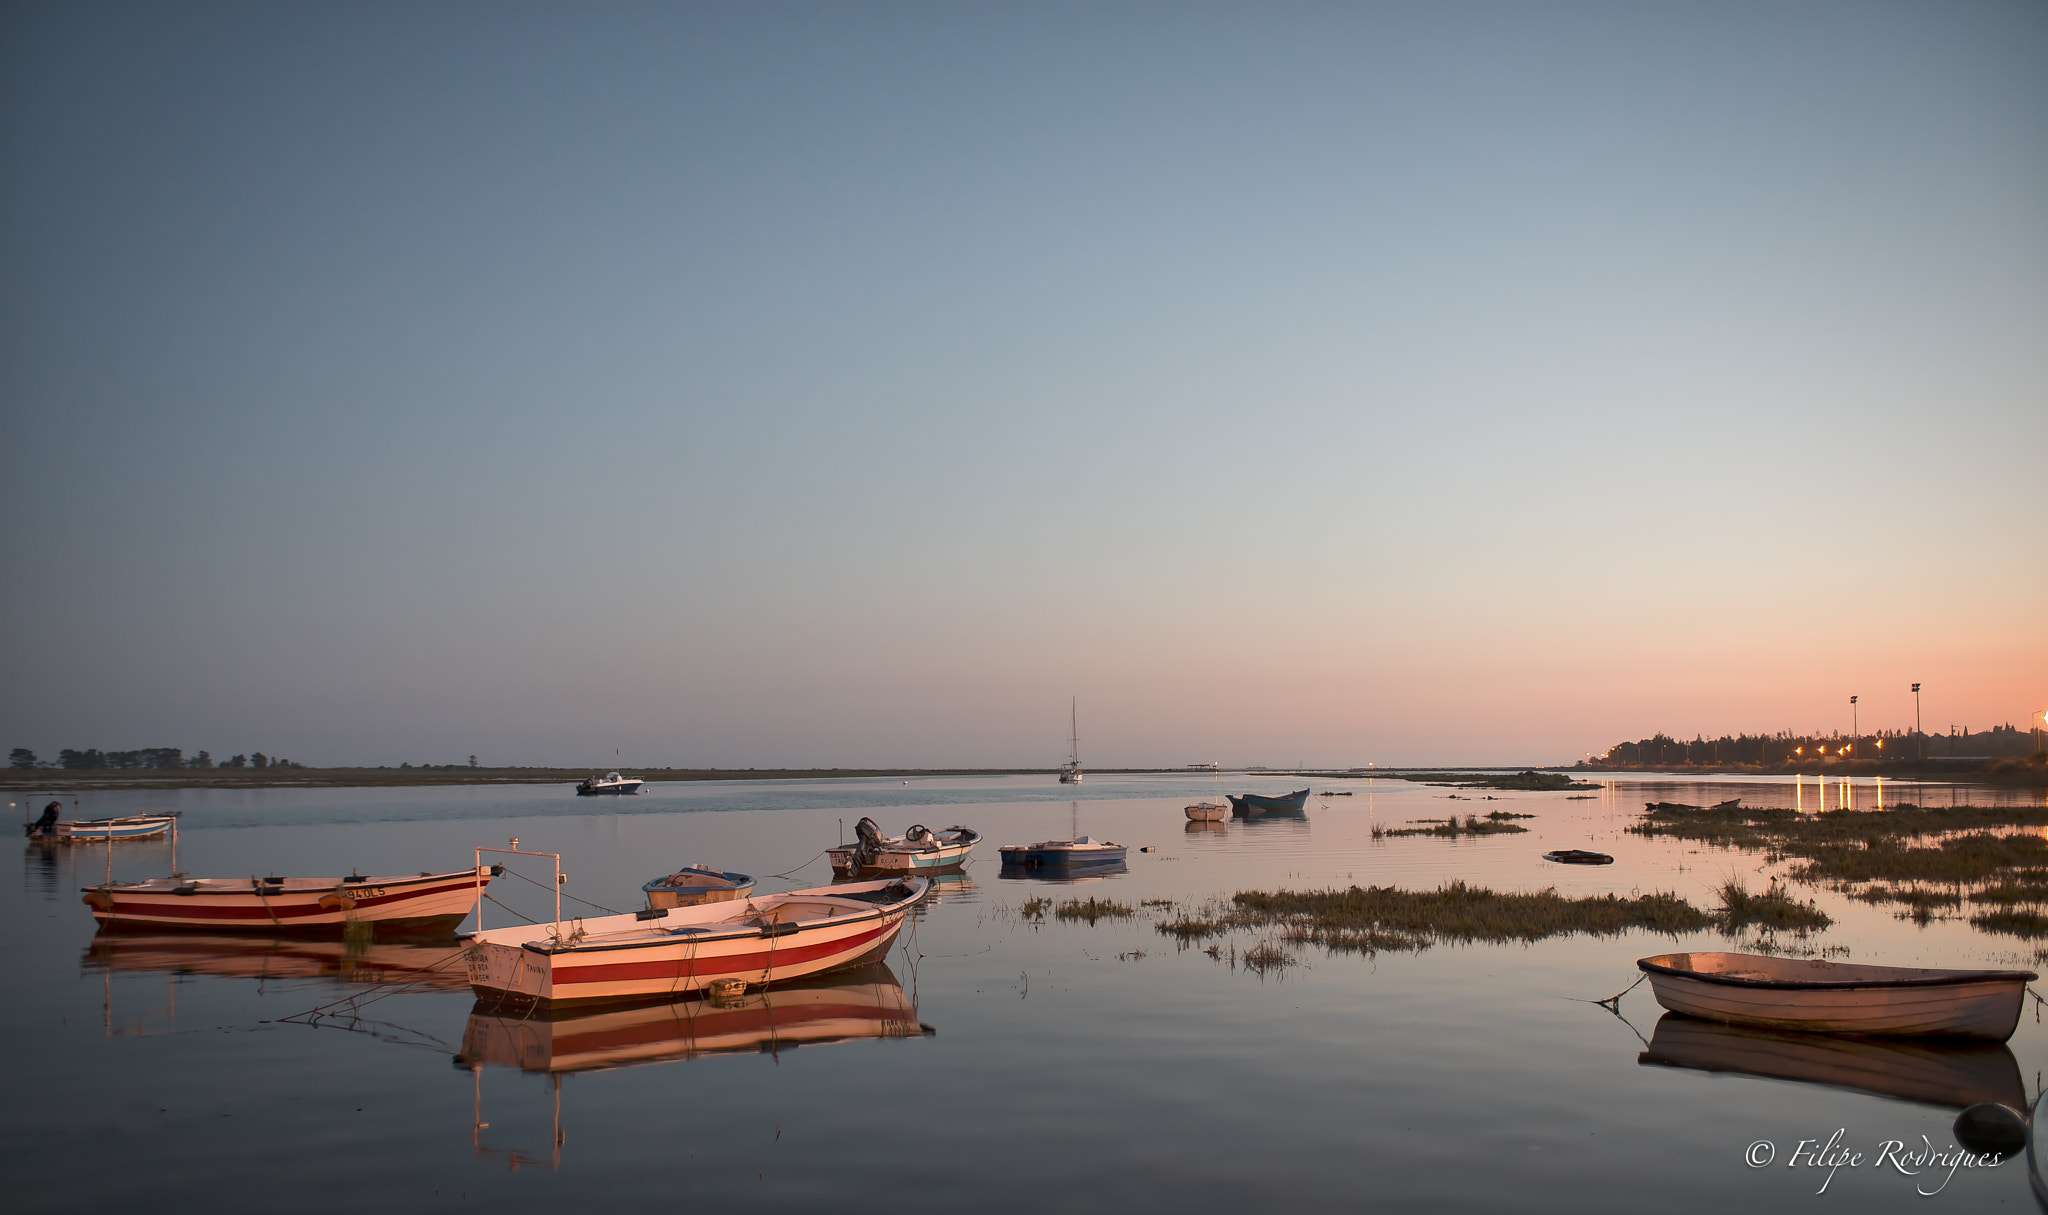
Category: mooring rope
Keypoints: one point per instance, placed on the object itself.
(565, 894)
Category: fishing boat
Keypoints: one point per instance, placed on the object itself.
(1256, 803)
(49, 829)
(610, 784)
(1071, 773)
(1208, 812)
(866, 1002)
(1839, 997)
(695, 884)
(1951, 1074)
(918, 850)
(429, 903)
(663, 953)
(1050, 854)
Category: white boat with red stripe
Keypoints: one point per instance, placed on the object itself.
(663, 953)
(426, 904)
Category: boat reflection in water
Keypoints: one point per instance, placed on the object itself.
(866, 1002)
(1205, 827)
(1064, 875)
(245, 956)
(1950, 1073)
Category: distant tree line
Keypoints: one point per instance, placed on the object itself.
(1787, 747)
(146, 757)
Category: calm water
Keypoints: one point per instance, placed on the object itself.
(1059, 1065)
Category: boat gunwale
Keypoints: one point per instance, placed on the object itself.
(652, 938)
(1940, 978)
(245, 888)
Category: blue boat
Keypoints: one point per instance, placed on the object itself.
(1062, 854)
(1256, 803)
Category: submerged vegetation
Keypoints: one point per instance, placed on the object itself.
(1371, 918)
(1496, 823)
(1528, 781)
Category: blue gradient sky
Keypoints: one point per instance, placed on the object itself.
(781, 384)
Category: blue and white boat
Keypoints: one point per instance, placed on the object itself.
(49, 829)
(1059, 854)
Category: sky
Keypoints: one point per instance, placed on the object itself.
(862, 385)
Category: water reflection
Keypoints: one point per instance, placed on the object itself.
(419, 967)
(1199, 828)
(863, 1003)
(1064, 875)
(1928, 1071)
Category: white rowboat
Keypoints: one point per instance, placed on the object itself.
(1839, 997)
(670, 952)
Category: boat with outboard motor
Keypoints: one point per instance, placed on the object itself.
(430, 903)
(663, 953)
(49, 829)
(918, 850)
(1258, 803)
(611, 783)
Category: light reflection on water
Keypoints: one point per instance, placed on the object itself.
(1107, 1063)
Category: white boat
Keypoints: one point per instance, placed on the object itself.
(1071, 773)
(426, 903)
(918, 850)
(694, 884)
(1085, 850)
(671, 952)
(1839, 997)
(50, 829)
(609, 783)
(1209, 812)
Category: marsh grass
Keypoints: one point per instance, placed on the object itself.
(1092, 909)
(1192, 928)
(1774, 908)
(1496, 823)
(1035, 909)
(1369, 919)
(1265, 957)
(2028, 925)
(1529, 782)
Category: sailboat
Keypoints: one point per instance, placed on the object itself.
(1071, 774)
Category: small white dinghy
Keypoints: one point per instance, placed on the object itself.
(1839, 997)
(1208, 812)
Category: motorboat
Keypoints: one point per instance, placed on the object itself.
(1047, 854)
(695, 884)
(49, 829)
(664, 953)
(1208, 812)
(918, 850)
(866, 1002)
(610, 784)
(1812, 995)
(1953, 1075)
(429, 903)
(1256, 803)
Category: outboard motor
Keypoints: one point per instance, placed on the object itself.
(868, 843)
(49, 820)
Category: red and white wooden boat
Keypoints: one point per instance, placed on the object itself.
(427, 903)
(1839, 997)
(663, 953)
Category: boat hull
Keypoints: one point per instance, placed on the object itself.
(1826, 997)
(939, 860)
(695, 886)
(621, 958)
(866, 1002)
(99, 831)
(1207, 812)
(428, 904)
(1020, 857)
(1257, 803)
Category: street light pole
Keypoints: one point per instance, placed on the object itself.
(1920, 734)
(1854, 732)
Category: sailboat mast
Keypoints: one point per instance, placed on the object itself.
(1074, 726)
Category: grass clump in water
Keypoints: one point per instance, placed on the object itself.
(1774, 908)
(1367, 919)
(2028, 925)
(1035, 909)
(1092, 909)
(1192, 928)
(1450, 828)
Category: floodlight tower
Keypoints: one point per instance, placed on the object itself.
(1855, 734)
(1919, 734)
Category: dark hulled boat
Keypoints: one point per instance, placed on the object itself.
(1258, 803)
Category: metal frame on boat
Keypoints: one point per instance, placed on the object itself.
(1839, 997)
